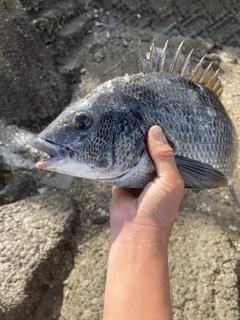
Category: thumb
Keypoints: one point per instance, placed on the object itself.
(163, 156)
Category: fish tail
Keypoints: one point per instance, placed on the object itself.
(234, 195)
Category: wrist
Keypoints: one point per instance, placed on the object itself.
(133, 235)
(142, 226)
(137, 285)
(133, 251)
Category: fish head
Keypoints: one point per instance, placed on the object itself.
(94, 138)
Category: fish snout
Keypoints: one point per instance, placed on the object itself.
(55, 152)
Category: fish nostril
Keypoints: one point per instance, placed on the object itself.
(70, 152)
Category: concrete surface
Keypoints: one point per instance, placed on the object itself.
(35, 240)
(202, 261)
(84, 289)
(16, 152)
(32, 89)
(203, 266)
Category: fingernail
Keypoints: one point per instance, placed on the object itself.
(158, 134)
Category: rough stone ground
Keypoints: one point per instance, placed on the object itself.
(31, 86)
(54, 243)
(35, 238)
(202, 268)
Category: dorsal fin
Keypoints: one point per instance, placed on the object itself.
(166, 61)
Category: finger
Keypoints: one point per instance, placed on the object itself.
(120, 198)
(119, 192)
(162, 154)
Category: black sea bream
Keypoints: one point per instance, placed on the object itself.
(103, 136)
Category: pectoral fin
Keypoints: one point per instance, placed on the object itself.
(199, 175)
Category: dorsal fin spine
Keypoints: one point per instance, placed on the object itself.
(219, 92)
(215, 75)
(205, 72)
(195, 70)
(152, 49)
(186, 63)
(217, 86)
(162, 58)
(140, 60)
(175, 64)
(175, 58)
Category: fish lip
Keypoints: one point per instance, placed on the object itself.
(56, 152)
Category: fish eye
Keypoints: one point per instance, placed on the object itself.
(82, 121)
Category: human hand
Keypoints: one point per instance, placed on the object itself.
(141, 223)
(149, 214)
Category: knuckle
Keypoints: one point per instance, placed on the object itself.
(174, 182)
(179, 185)
(163, 151)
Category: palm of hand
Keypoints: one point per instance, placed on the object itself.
(157, 205)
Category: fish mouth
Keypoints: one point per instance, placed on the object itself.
(55, 152)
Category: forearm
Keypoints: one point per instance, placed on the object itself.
(137, 285)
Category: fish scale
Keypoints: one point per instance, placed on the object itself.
(103, 136)
(164, 112)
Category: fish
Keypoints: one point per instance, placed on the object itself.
(103, 135)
